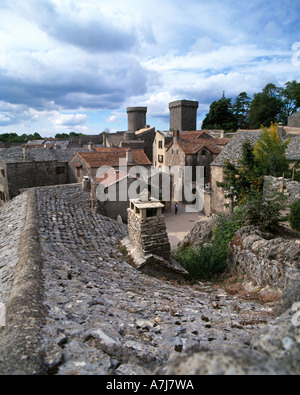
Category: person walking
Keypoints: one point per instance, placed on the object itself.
(176, 208)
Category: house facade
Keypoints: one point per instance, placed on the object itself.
(192, 154)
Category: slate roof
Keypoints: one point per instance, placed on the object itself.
(233, 150)
(15, 155)
(293, 150)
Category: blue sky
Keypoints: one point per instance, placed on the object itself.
(69, 65)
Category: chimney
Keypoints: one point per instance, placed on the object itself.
(280, 130)
(176, 135)
(86, 183)
(90, 146)
(25, 152)
(129, 158)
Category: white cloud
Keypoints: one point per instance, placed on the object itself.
(63, 58)
(70, 120)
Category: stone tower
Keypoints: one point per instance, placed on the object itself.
(136, 118)
(183, 115)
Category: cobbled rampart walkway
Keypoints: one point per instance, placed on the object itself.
(105, 317)
(75, 307)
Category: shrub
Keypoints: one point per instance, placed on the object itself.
(294, 217)
(263, 213)
(206, 262)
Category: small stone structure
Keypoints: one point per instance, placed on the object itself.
(148, 241)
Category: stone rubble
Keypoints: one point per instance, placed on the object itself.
(105, 317)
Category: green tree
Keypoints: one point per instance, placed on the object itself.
(262, 212)
(266, 157)
(270, 152)
(241, 109)
(220, 116)
(246, 178)
(290, 98)
(294, 217)
(61, 136)
(266, 107)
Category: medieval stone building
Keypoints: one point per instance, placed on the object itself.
(25, 167)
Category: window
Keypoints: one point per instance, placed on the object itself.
(160, 158)
(2, 196)
(60, 170)
(78, 171)
(2, 172)
(203, 152)
(151, 212)
(160, 144)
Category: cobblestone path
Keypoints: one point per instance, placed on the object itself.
(104, 317)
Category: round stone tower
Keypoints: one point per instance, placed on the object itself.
(136, 118)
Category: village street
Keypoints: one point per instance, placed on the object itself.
(180, 224)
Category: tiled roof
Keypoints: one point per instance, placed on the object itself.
(111, 157)
(221, 141)
(195, 135)
(191, 147)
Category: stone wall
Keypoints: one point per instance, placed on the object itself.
(294, 120)
(275, 185)
(12, 221)
(217, 194)
(3, 183)
(35, 174)
(263, 260)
